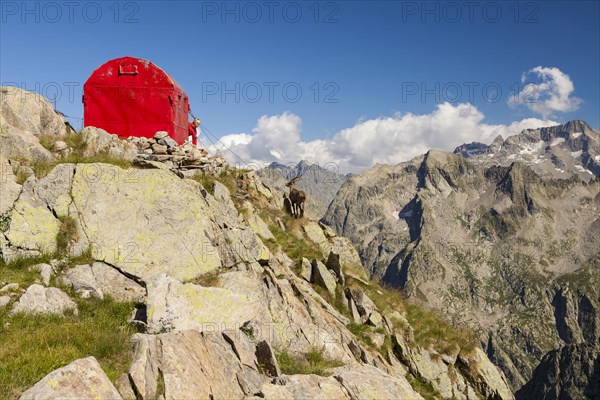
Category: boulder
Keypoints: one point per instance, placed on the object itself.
(170, 225)
(40, 300)
(97, 141)
(432, 370)
(292, 315)
(236, 242)
(160, 135)
(124, 387)
(367, 381)
(143, 163)
(33, 220)
(322, 277)
(10, 188)
(33, 227)
(354, 311)
(484, 375)
(167, 141)
(59, 146)
(256, 222)
(321, 235)
(315, 234)
(9, 287)
(300, 387)
(266, 358)
(81, 379)
(179, 228)
(349, 257)
(191, 365)
(4, 300)
(306, 270)
(45, 271)
(175, 306)
(364, 304)
(378, 339)
(24, 116)
(159, 149)
(100, 279)
(244, 349)
(333, 263)
(375, 319)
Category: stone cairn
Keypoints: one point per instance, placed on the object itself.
(185, 160)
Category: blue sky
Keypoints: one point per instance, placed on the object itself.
(370, 73)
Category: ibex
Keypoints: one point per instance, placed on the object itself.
(297, 198)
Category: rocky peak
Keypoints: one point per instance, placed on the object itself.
(471, 149)
(571, 129)
(555, 152)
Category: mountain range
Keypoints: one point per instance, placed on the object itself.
(502, 238)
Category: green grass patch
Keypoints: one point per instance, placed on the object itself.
(207, 280)
(17, 271)
(67, 234)
(233, 180)
(75, 141)
(313, 362)
(362, 333)
(33, 345)
(207, 182)
(430, 328)
(47, 141)
(78, 146)
(21, 176)
(425, 389)
(87, 257)
(42, 168)
(295, 247)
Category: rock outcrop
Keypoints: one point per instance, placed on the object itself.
(81, 379)
(41, 300)
(10, 188)
(24, 117)
(100, 279)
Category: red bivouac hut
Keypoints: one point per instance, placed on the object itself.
(129, 96)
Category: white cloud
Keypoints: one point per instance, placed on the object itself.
(387, 140)
(546, 90)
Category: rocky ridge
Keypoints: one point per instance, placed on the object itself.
(227, 306)
(561, 151)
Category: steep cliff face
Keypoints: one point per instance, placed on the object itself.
(570, 372)
(495, 245)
